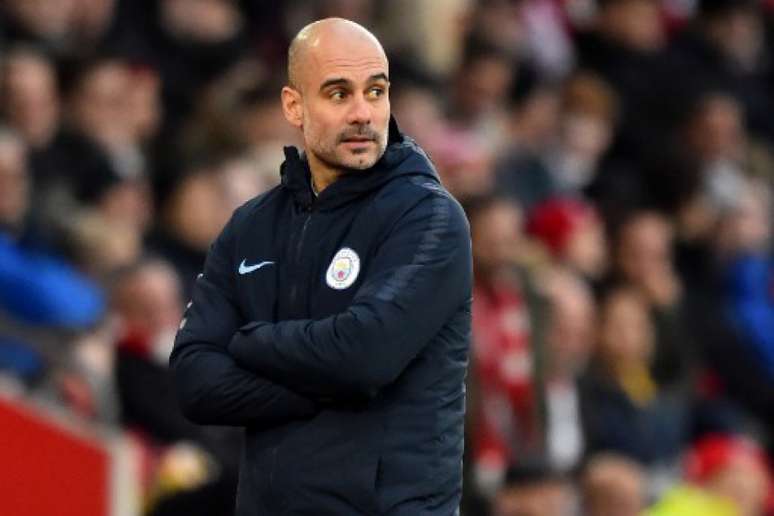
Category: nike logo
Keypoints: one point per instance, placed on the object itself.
(247, 269)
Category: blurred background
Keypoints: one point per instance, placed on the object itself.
(615, 159)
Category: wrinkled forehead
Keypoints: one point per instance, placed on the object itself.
(352, 58)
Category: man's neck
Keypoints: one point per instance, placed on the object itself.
(322, 175)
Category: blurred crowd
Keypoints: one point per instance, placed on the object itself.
(616, 162)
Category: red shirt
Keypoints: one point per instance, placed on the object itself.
(503, 372)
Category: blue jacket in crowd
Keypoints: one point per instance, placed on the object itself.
(39, 290)
(336, 330)
(749, 293)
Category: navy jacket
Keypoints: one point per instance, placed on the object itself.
(336, 330)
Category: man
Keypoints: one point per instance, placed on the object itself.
(533, 489)
(613, 484)
(333, 315)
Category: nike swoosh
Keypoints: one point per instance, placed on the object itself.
(246, 269)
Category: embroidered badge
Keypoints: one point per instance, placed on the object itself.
(343, 270)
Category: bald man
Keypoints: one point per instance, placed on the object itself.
(333, 314)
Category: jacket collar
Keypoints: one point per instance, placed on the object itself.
(401, 157)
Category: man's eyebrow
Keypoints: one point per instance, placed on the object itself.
(337, 81)
(340, 81)
(379, 77)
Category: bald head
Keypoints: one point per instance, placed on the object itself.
(321, 39)
(338, 97)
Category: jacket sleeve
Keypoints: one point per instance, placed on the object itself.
(211, 387)
(420, 276)
(40, 290)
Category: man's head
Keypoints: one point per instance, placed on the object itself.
(569, 332)
(337, 94)
(99, 101)
(30, 101)
(146, 297)
(533, 490)
(613, 484)
(643, 246)
(496, 226)
(632, 24)
(734, 467)
(626, 331)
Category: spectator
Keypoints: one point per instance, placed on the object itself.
(642, 257)
(480, 90)
(573, 234)
(723, 155)
(500, 23)
(197, 208)
(745, 236)
(93, 21)
(99, 106)
(625, 48)
(35, 288)
(613, 485)
(504, 413)
(727, 306)
(99, 246)
(419, 110)
(732, 467)
(533, 110)
(534, 490)
(725, 475)
(30, 98)
(589, 112)
(570, 158)
(465, 165)
(623, 407)
(47, 22)
(724, 49)
(31, 105)
(146, 300)
(190, 43)
(568, 340)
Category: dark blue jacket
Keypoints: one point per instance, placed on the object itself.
(336, 330)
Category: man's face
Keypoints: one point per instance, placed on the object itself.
(149, 300)
(496, 235)
(549, 498)
(101, 105)
(31, 102)
(345, 104)
(645, 247)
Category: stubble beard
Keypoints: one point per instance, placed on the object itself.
(346, 161)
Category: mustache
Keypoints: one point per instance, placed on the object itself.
(362, 131)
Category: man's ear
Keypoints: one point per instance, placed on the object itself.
(292, 107)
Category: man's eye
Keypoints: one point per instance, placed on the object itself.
(338, 95)
(375, 93)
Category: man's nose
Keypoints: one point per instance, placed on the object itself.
(360, 111)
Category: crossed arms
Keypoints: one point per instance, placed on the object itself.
(268, 373)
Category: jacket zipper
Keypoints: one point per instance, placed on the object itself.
(297, 260)
(276, 502)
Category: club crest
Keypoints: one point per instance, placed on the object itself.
(343, 270)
